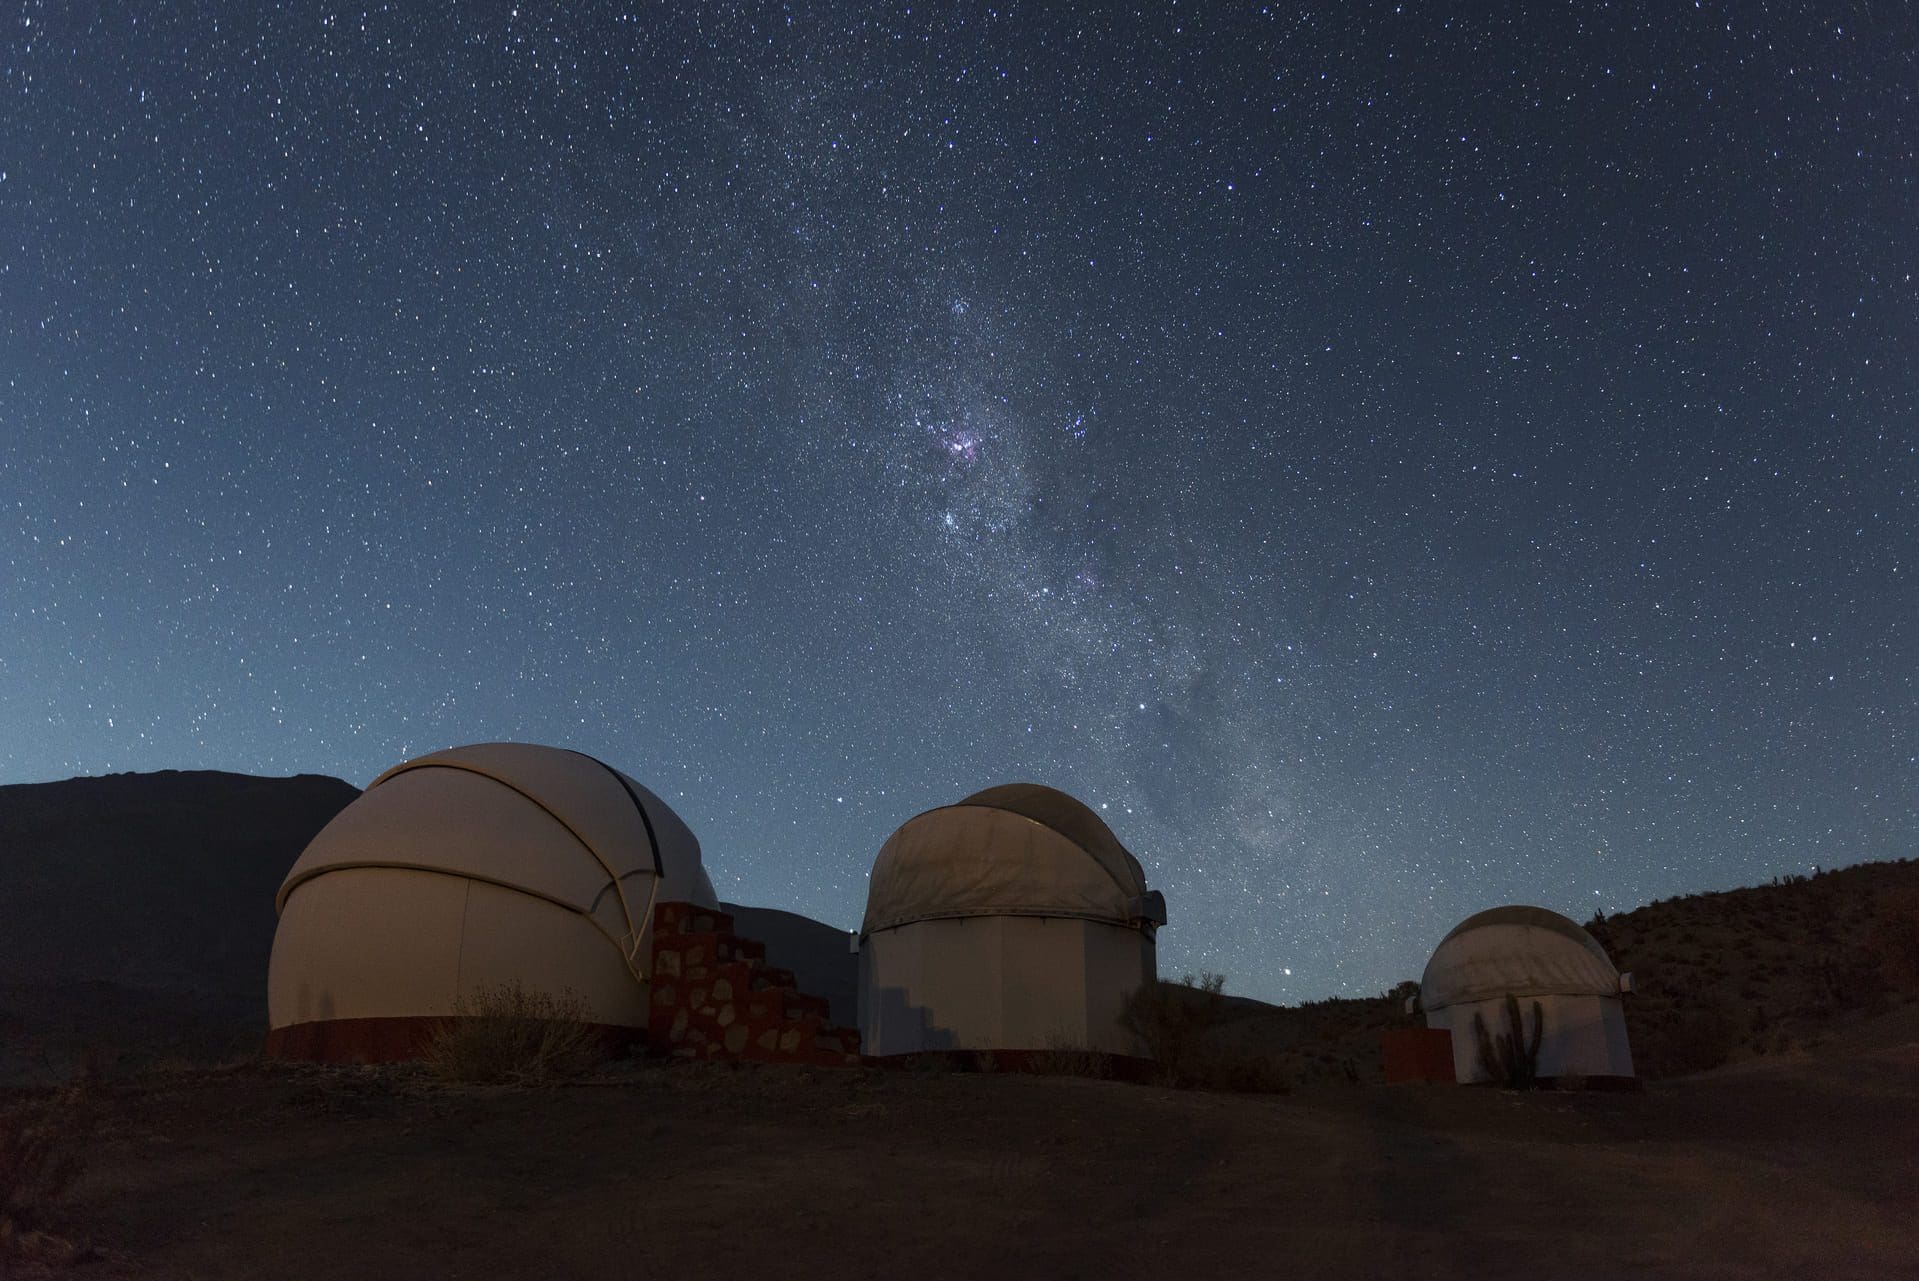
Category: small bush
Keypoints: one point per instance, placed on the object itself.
(1893, 939)
(1702, 1037)
(1063, 1058)
(1236, 1072)
(1176, 1020)
(510, 1035)
(1850, 979)
(1172, 1018)
(41, 1154)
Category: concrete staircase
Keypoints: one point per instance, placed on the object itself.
(715, 997)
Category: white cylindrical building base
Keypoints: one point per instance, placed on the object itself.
(1584, 1036)
(1015, 983)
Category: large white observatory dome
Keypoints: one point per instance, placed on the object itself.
(474, 867)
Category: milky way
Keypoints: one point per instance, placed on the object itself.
(1389, 462)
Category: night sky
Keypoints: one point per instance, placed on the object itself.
(1389, 460)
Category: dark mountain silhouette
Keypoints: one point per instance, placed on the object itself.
(136, 910)
(152, 880)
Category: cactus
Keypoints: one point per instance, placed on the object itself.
(1511, 1059)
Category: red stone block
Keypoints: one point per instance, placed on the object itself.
(770, 976)
(715, 973)
(670, 919)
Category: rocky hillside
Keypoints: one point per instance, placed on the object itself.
(1766, 970)
(1788, 967)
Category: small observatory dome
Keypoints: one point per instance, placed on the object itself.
(1534, 955)
(471, 868)
(1014, 920)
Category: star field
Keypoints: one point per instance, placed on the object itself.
(1389, 461)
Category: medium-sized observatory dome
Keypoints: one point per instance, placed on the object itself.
(1014, 850)
(1539, 957)
(1012, 921)
(474, 867)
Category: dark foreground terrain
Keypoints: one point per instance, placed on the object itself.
(1793, 1166)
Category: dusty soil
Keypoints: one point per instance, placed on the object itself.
(1790, 1167)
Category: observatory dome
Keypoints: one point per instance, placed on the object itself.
(475, 867)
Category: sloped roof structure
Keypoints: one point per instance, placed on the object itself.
(1015, 850)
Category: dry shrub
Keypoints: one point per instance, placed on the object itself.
(1235, 1071)
(510, 1035)
(1173, 1018)
(1176, 1020)
(1893, 939)
(1062, 1057)
(41, 1153)
(1849, 979)
(1702, 1037)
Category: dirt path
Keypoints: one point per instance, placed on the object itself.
(1799, 1171)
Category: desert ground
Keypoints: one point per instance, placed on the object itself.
(1790, 1166)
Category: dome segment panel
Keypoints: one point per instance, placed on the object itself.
(1072, 819)
(975, 860)
(1521, 951)
(444, 820)
(1519, 914)
(485, 811)
(593, 800)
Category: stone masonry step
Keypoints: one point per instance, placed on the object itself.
(782, 1040)
(688, 952)
(714, 996)
(670, 919)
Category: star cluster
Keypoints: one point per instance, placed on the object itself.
(1389, 461)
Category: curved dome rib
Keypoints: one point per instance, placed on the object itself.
(639, 807)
